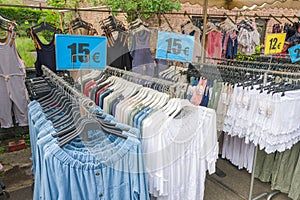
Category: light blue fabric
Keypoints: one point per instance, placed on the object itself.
(37, 120)
(106, 167)
(121, 166)
(102, 96)
(136, 117)
(141, 119)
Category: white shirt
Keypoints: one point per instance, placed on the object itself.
(179, 152)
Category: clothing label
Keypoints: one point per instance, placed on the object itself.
(295, 53)
(173, 46)
(80, 52)
(274, 43)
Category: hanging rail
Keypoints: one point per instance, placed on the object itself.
(119, 11)
(68, 87)
(282, 65)
(147, 78)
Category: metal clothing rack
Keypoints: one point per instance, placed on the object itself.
(281, 65)
(266, 73)
(121, 73)
(86, 103)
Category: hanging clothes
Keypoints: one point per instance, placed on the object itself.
(83, 167)
(118, 54)
(248, 40)
(174, 152)
(143, 62)
(106, 166)
(232, 46)
(45, 54)
(264, 109)
(13, 92)
(214, 45)
(192, 30)
(282, 170)
(238, 152)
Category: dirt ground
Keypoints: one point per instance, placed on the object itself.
(16, 172)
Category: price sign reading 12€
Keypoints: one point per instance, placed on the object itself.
(274, 43)
(177, 47)
(295, 53)
(80, 52)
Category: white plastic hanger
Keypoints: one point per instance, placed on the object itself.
(182, 104)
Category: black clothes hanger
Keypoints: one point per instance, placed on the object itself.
(79, 23)
(42, 27)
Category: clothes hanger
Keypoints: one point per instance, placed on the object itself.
(42, 27)
(73, 114)
(88, 125)
(65, 106)
(181, 105)
(53, 99)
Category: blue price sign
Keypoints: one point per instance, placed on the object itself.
(295, 53)
(80, 52)
(173, 46)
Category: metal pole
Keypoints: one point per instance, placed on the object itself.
(255, 153)
(203, 42)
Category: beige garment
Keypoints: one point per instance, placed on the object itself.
(223, 105)
(197, 43)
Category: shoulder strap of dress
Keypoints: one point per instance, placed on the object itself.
(36, 43)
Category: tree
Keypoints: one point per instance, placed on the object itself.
(134, 7)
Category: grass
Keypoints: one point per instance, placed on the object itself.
(25, 46)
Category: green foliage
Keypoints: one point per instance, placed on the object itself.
(133, 7)
(20, 14)
(26, 49)
(26, 137)
(2, 150)
(9, 1)
(51, 18)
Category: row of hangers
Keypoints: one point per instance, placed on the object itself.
(150, 82)
(7, 24)
(67, 104)
(112, 27)
(249, 77)
(79, 23)
(147, 95)
(263, 63)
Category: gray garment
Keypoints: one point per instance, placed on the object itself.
(13, 98)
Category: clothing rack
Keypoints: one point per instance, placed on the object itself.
(58, 80)
(118, 72)
(266, 73)
(282, 65)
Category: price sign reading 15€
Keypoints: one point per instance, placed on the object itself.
(274, 43)
(80, 52)
(172, 46)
